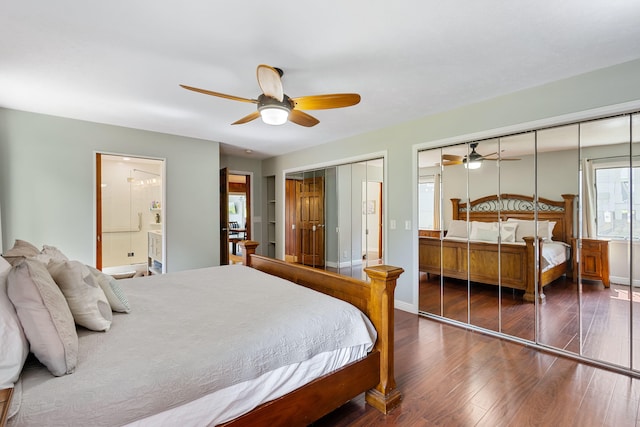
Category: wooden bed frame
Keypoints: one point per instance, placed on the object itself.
(373, 375)
(518, 267)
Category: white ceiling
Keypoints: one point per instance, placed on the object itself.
(120, 62)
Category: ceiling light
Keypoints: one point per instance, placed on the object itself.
(272, 111)
(473, 164)
(274, 115)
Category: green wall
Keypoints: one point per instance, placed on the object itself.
(47, 185)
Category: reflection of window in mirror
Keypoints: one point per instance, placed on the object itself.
(612, 196)
(426, 213)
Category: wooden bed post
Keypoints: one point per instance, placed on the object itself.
(456, 208)
(374, 374)
(532, 279)
(248, 249)
(385, 396)
(568, 217)
(5, 401)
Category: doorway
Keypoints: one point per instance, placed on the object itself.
(235, 214)
(129, 215)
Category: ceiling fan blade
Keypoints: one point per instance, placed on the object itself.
(221, 95)
(247, 118)
(303, 119)
(324, 102)
(269, 81)
(490, 154)
(452, 162)
(452, 157)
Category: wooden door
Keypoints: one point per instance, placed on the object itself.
(99, 211)
(224, 216)
(310, 221)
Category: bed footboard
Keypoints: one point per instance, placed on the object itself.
(478, 261)
(375, 299)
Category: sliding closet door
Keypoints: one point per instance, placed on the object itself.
(455, 290)
(633, 245)
(606, 242)
(430, 230)
(558, 161)
(337, 217)
(483, 181)
(345, 223)
(517, 170)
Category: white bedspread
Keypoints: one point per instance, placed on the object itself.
(189, 334)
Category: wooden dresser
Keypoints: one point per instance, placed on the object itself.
(594, 260)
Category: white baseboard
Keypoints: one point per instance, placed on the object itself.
(619, 280)
(405, 306)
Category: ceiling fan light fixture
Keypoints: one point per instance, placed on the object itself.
(473, 164)
(274, 114)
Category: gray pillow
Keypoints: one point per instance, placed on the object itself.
(115, 295)
(44, 315)
(87, 301)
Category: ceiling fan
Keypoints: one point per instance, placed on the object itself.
(275, 107)
(473, 160)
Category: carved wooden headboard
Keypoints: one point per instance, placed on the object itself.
(503, 206)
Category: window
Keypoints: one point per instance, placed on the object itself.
(426, 189)
(616, 208)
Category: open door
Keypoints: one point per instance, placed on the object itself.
(310, 221)
(224, 216)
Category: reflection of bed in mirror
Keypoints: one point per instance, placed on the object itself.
(512, 263)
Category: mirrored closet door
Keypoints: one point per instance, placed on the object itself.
(334, 217)
(533, 236)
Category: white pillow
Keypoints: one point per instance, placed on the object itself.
(457, 228)
(528, 228)
(87, 301)
(508, 232)
(485, 231)
(552, 225)
(15, 347)
(116, 297)
(44, 316)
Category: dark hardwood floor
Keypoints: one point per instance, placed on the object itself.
(450, 376)
(596, 324)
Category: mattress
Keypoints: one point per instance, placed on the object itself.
(196, 335)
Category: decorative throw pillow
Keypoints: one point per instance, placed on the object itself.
(21, 249)
(484, 231)
(44, 315)
(458, 229)
(508, 232)
(49, 253)
(87, 301)
(528, 228)
(15, 347)
(116, 297)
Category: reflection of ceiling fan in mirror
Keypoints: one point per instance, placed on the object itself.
(275, 107)
(473, 160)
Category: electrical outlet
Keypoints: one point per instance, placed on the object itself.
(130, 254)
